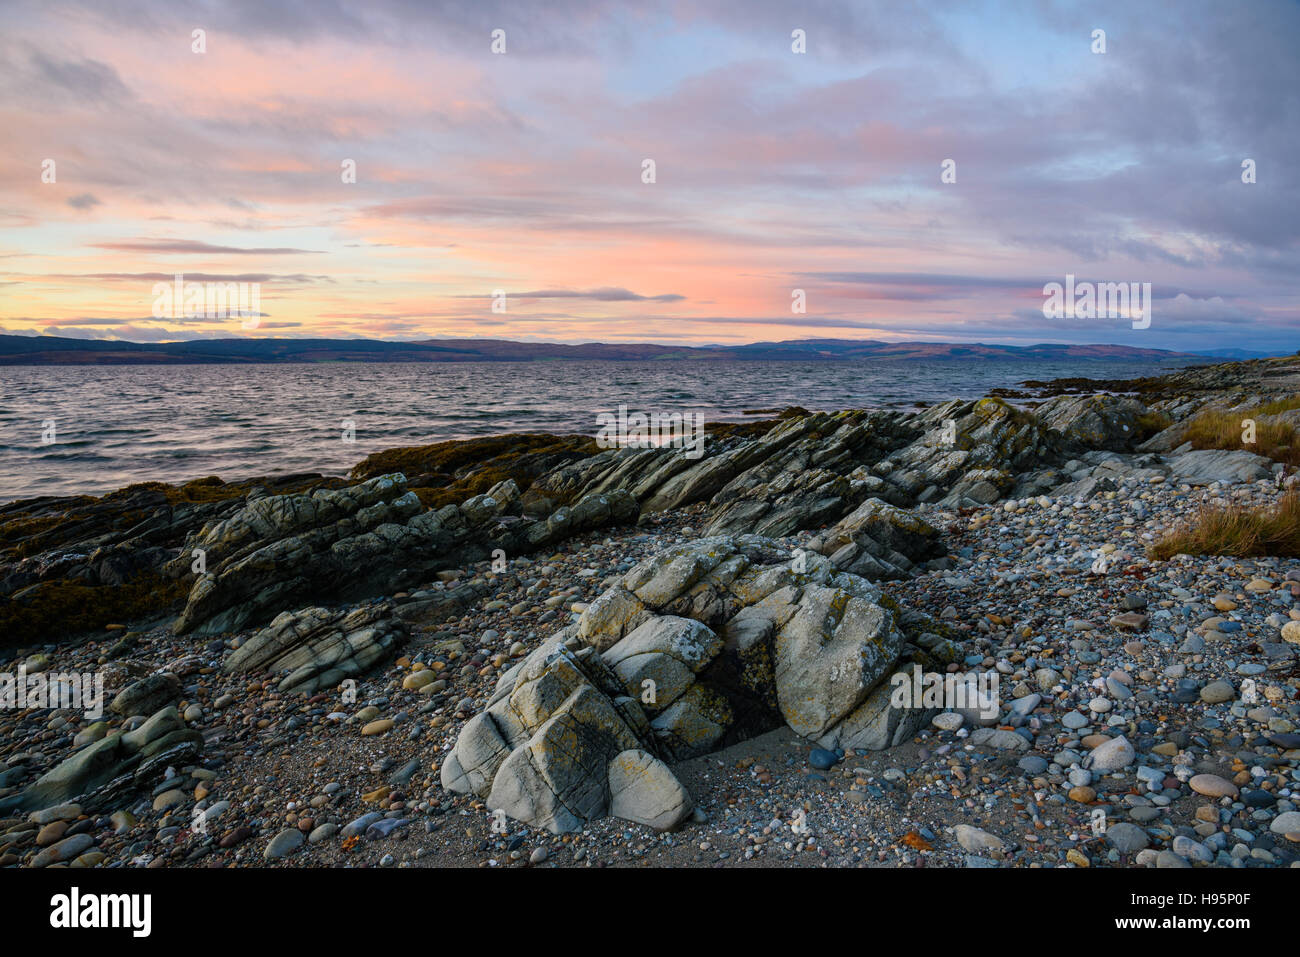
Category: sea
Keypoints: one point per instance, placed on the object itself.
(87, 430)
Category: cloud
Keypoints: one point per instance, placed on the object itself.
(775, 169)
(80, 79)
(194, 247)
(606, 294)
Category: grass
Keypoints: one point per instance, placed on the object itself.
(1223, 430)
(1279, 405)
(1151, 423)
(1272, 531)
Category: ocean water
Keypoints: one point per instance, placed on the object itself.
(114, 425)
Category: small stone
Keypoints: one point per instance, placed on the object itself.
(974, 840)
(1191, 850)
(1211, 785)
(60, 812)
(322, 832)
(1111, 755)
(947, 721)
(238, 836)
(284, 843)
(168, 799)
(1217, 692)
(417, 680)
(1288, 823)
(64, 850)
(1074, 720)
(1127, 838)
(1168, 859)
(51, 833)
(358, 827)
(1033, 764)
(1129, 621)
(822, 759)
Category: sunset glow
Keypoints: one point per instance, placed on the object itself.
(774, 170)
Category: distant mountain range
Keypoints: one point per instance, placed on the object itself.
(56, 350)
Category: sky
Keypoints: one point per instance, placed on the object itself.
(504, 193)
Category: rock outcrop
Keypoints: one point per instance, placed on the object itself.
(111, 771)
(320, 647)
(698, 647)
(879, 541)
(1108, 422)
(358, 542)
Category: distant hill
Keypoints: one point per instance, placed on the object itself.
(57, 350)
(1233, 353)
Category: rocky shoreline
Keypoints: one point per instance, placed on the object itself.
(526, 650)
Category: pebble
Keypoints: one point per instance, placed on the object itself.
(1211, 785)
(1217, 692)
(64, 850)
(284, 843)
(1288, 823)
(947, 721)
(358, 827)
(322, 832)
(1074, 720)
(1112, 755)
(1127, 838)
(822, 759)
(975, 840)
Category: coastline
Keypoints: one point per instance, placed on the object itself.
(982, 552)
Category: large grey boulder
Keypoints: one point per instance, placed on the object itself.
(146, 695)
(877, 723)
(541, 751)
(695, 648)
(831, 651)
(879, 541)
(643, 790)
(1205, 466)
(1098, 421)
(319, 647)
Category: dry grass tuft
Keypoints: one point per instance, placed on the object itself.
(1279, 405)
(1272, 531)
(1223, 430)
